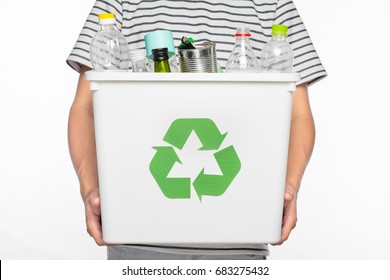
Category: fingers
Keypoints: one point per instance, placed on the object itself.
(289, 215)
(288, 225)
(92, 211)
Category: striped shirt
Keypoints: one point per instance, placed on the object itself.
(214, 20)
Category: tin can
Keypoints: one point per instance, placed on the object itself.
(203, 59)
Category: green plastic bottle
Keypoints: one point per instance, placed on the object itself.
(160, 58)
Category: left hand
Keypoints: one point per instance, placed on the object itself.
(289, 213)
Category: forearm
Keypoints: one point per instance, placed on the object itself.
(302, 137)
(81, 139)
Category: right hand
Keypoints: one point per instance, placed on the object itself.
(93, 217)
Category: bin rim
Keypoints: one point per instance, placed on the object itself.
(193, 77)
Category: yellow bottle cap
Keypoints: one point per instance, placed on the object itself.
(106, 16)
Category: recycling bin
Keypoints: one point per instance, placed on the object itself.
(191, 158)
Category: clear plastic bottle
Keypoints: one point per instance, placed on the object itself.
(242, 58)
(109, 50)
(277, 55)
(138, 60)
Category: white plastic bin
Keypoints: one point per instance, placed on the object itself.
(149, 127)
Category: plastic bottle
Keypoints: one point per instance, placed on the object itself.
(160, 59)
(277, 55)
(109, 50)
(242, 58)
(138, 60)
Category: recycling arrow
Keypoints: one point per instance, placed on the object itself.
(216, 185)
(208, 133)
(204, 184)
(161, 165)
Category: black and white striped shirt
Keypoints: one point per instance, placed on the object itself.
(214, 20)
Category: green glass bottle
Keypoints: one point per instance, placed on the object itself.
(160, 58)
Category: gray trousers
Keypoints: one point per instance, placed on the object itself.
(130, 253)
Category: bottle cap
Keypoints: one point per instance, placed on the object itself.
(106, 19)
(159, 39)
(279, 30)
(160, 54)
(137, 54)
(242, 32)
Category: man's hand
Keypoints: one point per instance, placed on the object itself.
(93, 217)
(302, 136)
(82, 148)
(289, 213)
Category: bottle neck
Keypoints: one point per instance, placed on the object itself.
(243, 42)
(107, 26)
(162, 66)
(279, 38)
(242, 39)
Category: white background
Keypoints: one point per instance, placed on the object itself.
(344, 208)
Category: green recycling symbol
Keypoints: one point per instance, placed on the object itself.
(204, 184)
